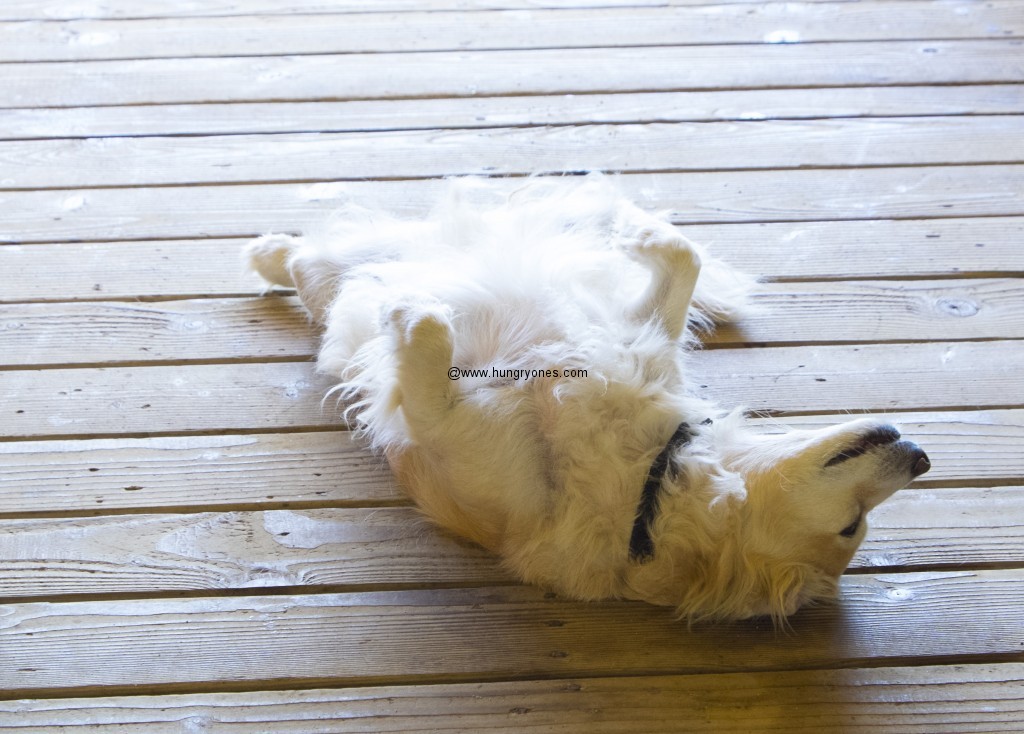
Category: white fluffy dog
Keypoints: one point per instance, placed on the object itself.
(569, 445)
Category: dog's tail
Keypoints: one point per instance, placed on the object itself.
(723, 294)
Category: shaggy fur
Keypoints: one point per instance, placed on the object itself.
(547, 470)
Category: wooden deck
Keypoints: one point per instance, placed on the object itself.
(189, 542)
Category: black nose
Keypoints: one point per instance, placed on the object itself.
(919, 462)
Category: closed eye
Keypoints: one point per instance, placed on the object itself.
(850, 530)
(877, 437)
(845, 455)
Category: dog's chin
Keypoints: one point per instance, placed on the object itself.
(898, 464)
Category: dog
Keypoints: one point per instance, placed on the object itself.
(520, 360)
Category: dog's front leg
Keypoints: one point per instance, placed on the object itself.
(423, 349)
(674, 265)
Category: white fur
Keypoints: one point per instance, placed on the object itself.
(547, 471)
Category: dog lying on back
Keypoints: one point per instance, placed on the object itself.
(568, 444)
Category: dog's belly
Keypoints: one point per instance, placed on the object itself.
(549, 484)
(432, 491)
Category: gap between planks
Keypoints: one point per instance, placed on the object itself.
(468, 113)
(654, 148)
(393, 548)
(156, 270)
(256, 36)
(330, 468)
(887, 699)
(511, 73)
(756, 197)
(886, 619)
(237, 330)
(267, 396)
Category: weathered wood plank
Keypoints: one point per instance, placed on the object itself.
(945, 526)
(690, 198)
(106, 332)
(89, 271)
(979, 448)
(470, 73)
(775, 144)
(160, 399)
(859, 311)
(872, 377)
(268, 396)
(869, 249)
(952, 699)
(469, 112)
(109, 333)
(170, 646)
(114, 9)
(269, 35)
(275, 470)
(386, 546)
(159, 553)
(967, 248)
(336, 639)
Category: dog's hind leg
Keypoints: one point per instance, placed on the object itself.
(674, 265)
(423, 351)
(289, 261)
(268, 256)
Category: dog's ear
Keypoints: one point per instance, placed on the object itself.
(743, 583)
(785, 586)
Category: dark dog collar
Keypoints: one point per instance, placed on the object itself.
(641, 546)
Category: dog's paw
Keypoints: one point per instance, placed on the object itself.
(663, 245)
(420, 323)
(268, 255)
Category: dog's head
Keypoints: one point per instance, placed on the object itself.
(808, 496)
(792, 529)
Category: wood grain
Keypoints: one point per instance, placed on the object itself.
(954, 526)
(192, 473)
(690, 198)
(268, 35)
(232, 550)
(951, 248)
(948, 248)
(173, 453)
(102, 270)
(109, 333)
(275, 470)
(381, 547)
(772, 144)
(62, 10)
(267, 396)
(484, 112)
(859, 311)
(950, 698)
(335, 639)
(160, 399)
(471, 73)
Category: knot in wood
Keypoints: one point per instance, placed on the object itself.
(957, 307)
